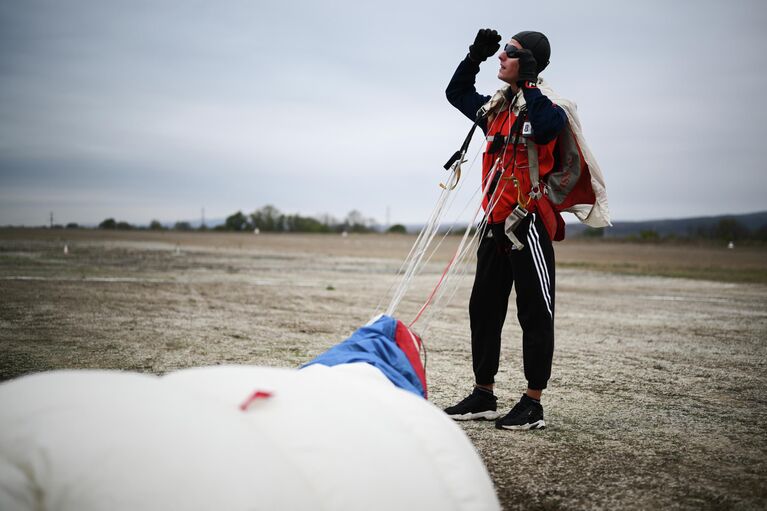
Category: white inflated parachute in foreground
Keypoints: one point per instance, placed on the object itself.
(232, 437)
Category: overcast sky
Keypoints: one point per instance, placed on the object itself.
(143, 110)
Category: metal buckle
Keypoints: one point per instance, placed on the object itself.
(516, 216)
(519, 213)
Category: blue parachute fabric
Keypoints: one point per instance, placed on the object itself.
(376, 345)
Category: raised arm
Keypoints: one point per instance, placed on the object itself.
(461, 92)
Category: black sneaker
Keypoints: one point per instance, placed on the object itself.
(480, 404)
(527, 414)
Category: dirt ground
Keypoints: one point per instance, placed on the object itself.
(657, 397)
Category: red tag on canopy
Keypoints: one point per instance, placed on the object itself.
(255, 396)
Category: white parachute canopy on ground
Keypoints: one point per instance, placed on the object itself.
(232, 437)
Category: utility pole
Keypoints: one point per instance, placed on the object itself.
(202, 221)
(51, 219)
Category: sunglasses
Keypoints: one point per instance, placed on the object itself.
(510, 50)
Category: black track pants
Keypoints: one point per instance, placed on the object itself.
(531, 271)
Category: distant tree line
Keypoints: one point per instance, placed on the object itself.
(270, 219)
(70, 225)
(154, 225)
(730, 229)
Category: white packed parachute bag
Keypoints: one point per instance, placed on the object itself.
(332, 436)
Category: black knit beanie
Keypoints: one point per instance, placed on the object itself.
(538, 44)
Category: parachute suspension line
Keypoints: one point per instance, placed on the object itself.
(450, 227)
(458, 256)
(415, 261)
(461, 256)
(461, 262)
(418, 251)
(484, 192)
(455, 261)
(408, 261)
(460, 253)
(459, 269)
(458, 264)
(466, 251)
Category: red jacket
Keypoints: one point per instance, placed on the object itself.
(513, 185)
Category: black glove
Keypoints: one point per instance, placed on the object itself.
(485, 45)
(528, 67)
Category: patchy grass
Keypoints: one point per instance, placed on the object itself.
(713, 273)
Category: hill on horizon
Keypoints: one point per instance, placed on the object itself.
(680, 227)
(663, 228)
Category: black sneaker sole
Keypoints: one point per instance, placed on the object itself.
(540, 424)
(488, 415)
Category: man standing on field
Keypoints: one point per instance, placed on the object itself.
(516, 245)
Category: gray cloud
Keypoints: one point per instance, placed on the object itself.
(162, 108)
